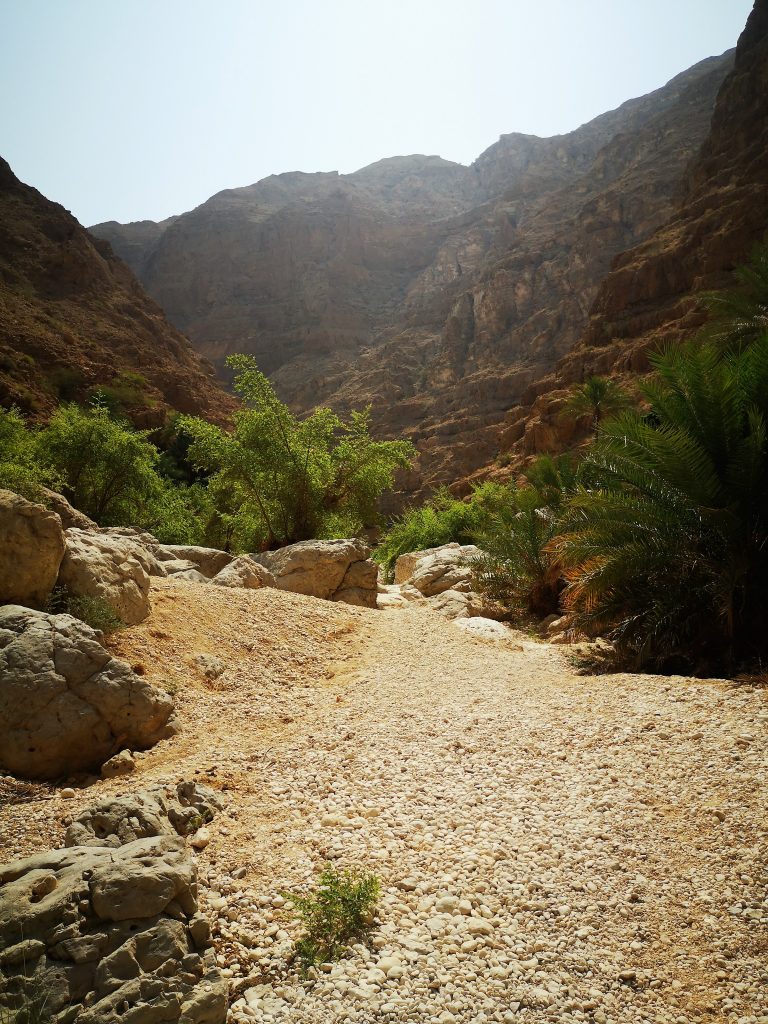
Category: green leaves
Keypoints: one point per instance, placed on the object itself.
(339, 909)
(668, 547)
(277, 479)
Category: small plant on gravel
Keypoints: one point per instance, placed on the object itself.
(93, 611)
(340, 908)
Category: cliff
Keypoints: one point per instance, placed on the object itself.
(652, 294)
(436, 292)
(73, 318)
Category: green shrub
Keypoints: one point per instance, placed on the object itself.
(442, 520)
(667, 550)
(93, 611)
(22, 467)
(518, 567)
(339, 909)
(597, 398)
(276, 479)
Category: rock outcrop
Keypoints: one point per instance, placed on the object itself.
(109, 931)
(74, 318)
(208, 561)
(335, 570)
(31, 550)
(112, 568)
(436, 292)
(244, 571)
(651, 295)
(444, 579)
(66, 705)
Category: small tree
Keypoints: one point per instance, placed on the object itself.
(108, 469)
(278, 479)
(22, 468)
(598, 398)
(668, 548)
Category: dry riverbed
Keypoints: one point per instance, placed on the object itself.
(552, 847)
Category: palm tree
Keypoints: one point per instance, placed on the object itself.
(668, 549)
(739, 315)
(598, 398)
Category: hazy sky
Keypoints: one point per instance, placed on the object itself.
(133, 109)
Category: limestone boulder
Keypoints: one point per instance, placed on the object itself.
(157, 811)
(31, 550)
(336, 570)
(484, 629)
(110, 935)
(244, 571)
(144, 546)
(444, 568)
(110, 567)
(66, 705)
(208, 561)
(67, 513)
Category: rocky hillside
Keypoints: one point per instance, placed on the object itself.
(435, 291)
(73, 318)
(652, 293)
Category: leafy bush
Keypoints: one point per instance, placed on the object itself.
(517, 566)
(93, 611)
(339, 909)
(277, 479)
(22, 469)
(668, 549)
(440, 521)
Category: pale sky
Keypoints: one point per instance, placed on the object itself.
(137, 109)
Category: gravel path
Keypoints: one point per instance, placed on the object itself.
(551, 847)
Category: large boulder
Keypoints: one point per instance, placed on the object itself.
(110, 567)
(109, 933)
(68, 514)
(445, 568)
(66, 705)
(243, 571)
(337, 570)
(31, 550)
(144, 546)
(208, 561)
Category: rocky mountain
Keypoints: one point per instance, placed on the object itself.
(436, 292)
(74, 318)
(652, 293)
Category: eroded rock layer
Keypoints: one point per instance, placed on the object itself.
(434, 291)
(73, 318)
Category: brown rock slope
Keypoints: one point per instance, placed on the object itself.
(651, 295)
(74, 317)
(435, 291)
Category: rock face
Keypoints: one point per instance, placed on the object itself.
(109, 930)
(108, 567)
(336, 570)
(73, 317)
(208, 561)
(651, 296)
(434, 291)
(243, 571)
(31, 550)
(66, 705)
(444, 568)
(443, 578)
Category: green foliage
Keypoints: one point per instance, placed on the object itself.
(22, 468)
(277, 479)
(440, 521)
(517, 566)
(668, 549)
(94, 611)
(739, 315)
(108, 468)
(339, 909)
(597, 398)
(127, 390)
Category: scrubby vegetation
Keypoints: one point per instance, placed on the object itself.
(273, 480)
(440, 521)
(277, 479)
(94, 611)
(339, 909)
